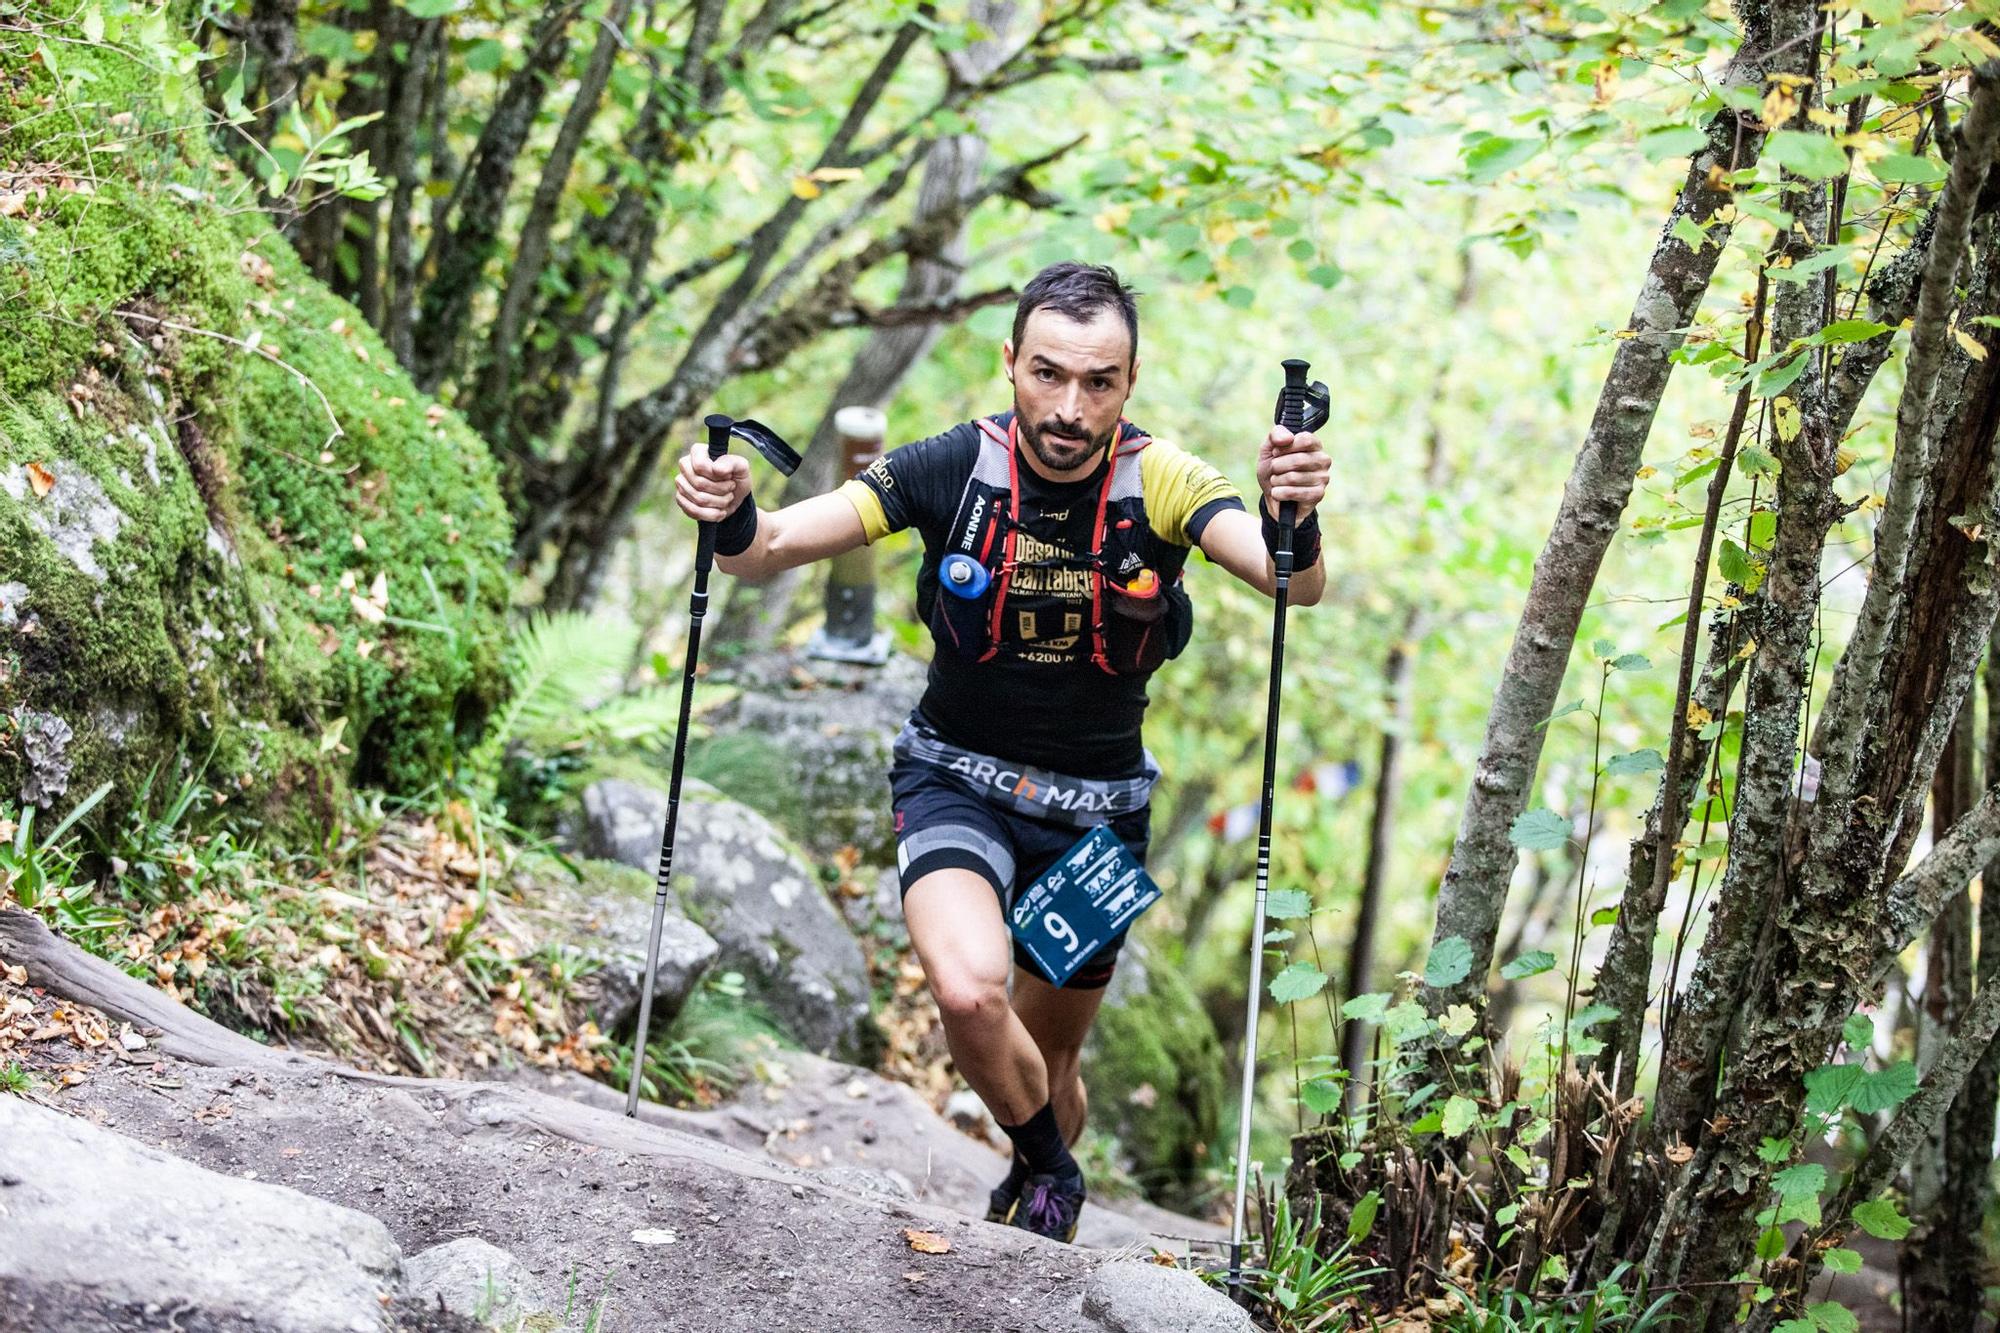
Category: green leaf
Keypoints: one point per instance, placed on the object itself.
(1689, 233)
(1288, 904)
(1279, 936)
(1881, 1219)
(1841, 1261)
(1301, 250)
(1907, 169)
(1814, 156)
(1806, 1179)
(1321, 1096)
(1405, 1021)
(1774, 1150)
(1638, 761)
(1529, 965)
(1833, 1317)
(1829, 1087)
(1494, 156)
(1539, 830)
(1603, 648)
(1590, 1016)
(1239, 298)
(1779, 377)
(1604, 916)
(1770, 1244)
(1362, 1220)
(1737, 566)
(1450, 961)
(1632, 662)
(1884, 1088)
(1763, 528)
(1324, 275)
(1680, 141)
(1796, 1326)
(1367, 1008)
(1572, 706)
(1754, 462)
(1297, 982)
(1843, 331)
(1858, 1032)
(1460, 1115)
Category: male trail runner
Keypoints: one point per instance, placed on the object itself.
(1027, 734)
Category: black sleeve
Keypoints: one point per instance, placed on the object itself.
(916, 485)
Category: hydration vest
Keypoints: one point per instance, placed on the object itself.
(1135, 613)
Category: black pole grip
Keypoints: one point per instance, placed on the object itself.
(718, 444)
(1292, 416)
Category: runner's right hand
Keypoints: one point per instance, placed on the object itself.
(709, 489)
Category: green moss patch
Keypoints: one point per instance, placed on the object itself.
(231, 530)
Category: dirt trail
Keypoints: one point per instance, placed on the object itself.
(652, 1225)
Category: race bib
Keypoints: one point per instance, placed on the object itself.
(1097, 889)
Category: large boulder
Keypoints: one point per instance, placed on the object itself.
(1133, 1296)
(99, 1220)
(1153, 1065)
(231, 526)
(738, 878)
(609, 918)
(806, 743)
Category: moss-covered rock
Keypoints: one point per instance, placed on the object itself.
(227, 519)
(1153, 1065)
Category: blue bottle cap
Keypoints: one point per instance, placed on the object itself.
(962, 576)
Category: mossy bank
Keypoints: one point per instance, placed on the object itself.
(231, 532)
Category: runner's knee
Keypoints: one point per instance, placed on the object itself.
(968, 995)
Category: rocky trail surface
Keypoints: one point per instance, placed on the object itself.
(175, 1175)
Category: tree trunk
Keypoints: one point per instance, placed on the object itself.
(486, 405)
(951, 175)
(459, 255)
(1827, 938)
(1474, 890)
(1396, 676)
(1941, 1255)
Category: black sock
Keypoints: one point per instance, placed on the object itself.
(1017, 1173)
(1040, 1143)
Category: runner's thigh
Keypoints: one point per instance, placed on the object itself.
(956, 861)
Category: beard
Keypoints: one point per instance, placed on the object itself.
(1060, 446)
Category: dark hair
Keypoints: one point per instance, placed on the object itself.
(1077, 291)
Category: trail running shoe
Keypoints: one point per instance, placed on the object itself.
(1049, 1206)
(1000, 1200)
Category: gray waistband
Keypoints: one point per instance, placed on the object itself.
(1080, 802)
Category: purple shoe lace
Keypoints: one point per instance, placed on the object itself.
(1048, 1209)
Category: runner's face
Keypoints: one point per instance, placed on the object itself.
(1071, 382)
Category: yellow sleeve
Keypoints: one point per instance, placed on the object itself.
(1176, 486)
(874, 522)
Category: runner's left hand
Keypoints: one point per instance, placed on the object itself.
(1292, 467)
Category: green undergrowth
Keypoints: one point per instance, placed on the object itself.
(229, 525)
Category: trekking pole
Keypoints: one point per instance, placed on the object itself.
(782, 457)
(1298, 406)
(704, 557)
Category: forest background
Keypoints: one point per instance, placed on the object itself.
(1686, 300)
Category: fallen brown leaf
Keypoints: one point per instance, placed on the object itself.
(926, 1242)
(40, 479)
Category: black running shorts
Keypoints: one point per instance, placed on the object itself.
(941, 824)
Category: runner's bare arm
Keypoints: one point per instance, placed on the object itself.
(709, 489)
(1289, 467)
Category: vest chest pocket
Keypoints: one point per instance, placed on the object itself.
(1146, 622)
(961, 610)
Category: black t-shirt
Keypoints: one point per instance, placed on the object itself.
(1041, 701)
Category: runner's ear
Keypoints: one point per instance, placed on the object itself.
(1007, 358)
